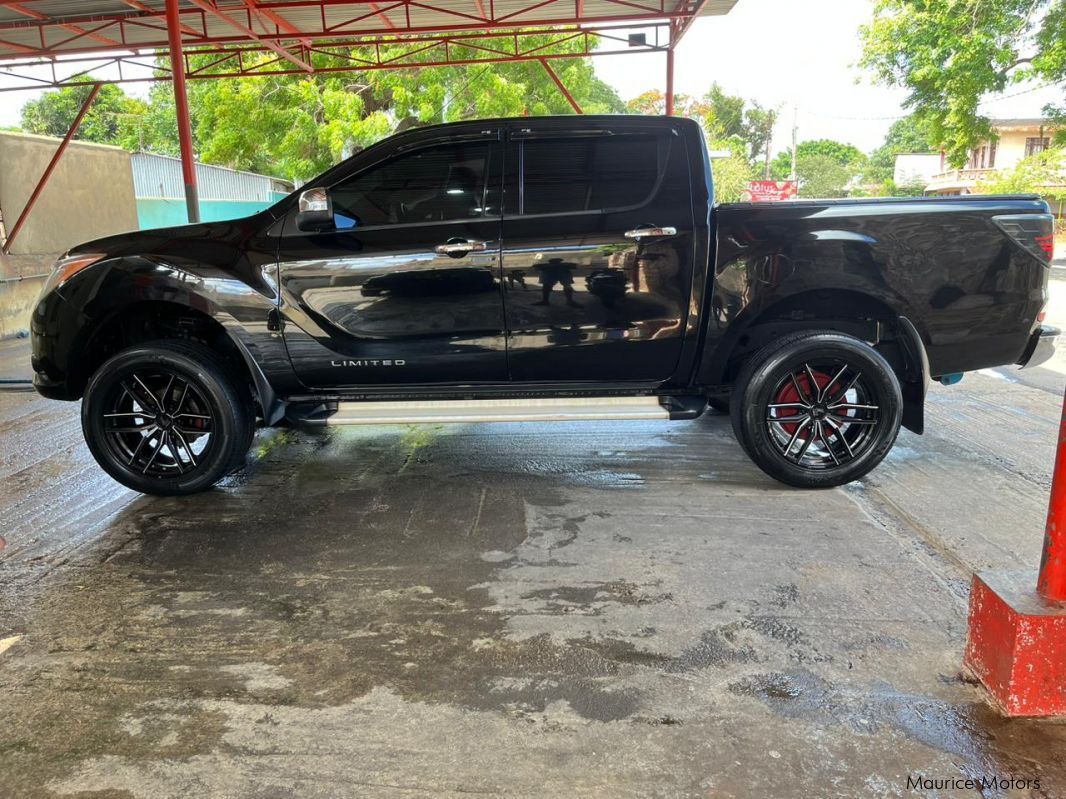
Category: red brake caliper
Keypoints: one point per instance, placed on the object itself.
(787, 393)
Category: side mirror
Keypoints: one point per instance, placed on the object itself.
(316, 210)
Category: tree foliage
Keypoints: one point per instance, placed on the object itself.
(111, 119)
(822, 175)
(295, 126)
(950, 54)
(1043, 174)
(907, 135)
(726, 118)
(851, 158)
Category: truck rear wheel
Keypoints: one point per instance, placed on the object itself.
(817, 409)
(166, 417)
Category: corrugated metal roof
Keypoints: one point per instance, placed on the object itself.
(91, 31)
(160, 176)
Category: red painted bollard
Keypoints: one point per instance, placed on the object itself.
(1051, 584)
(1017, 639)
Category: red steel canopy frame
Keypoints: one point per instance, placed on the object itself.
(59, 43)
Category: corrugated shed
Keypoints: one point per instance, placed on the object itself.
(160, 176)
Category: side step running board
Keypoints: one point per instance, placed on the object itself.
(494, 410)
(547, 409)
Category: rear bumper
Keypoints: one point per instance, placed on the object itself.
(1041, 346)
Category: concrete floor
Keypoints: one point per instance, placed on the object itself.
(549, 610)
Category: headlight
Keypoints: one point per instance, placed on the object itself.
(68, 266)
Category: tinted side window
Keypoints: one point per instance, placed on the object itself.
(435, 184)
(587, 174)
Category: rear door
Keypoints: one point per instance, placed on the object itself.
(406, 288)
(598, 251)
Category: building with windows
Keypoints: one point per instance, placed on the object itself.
(1015, 139)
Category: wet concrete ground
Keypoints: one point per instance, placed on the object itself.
(542, 610)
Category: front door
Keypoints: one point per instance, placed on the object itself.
(598, 243)
(405, 288)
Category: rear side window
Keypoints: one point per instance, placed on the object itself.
(588, 174)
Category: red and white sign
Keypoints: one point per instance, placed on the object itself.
(768, 191)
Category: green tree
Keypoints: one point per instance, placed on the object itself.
(1043, 174)
(725, 118)
(111, 119)
(950, 54)
(298, 125)
(732, 174)
(907, 135)
(851, 158)
(822, 176)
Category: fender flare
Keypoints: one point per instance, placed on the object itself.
(914, 391)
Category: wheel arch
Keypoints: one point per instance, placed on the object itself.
(139, 319)
(854, 313)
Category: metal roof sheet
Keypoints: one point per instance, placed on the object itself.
(59, 26)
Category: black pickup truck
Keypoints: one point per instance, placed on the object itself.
(539, 269)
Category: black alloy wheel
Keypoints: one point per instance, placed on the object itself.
(817, 409)
(167, 418)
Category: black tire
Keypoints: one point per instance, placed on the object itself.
(817, 409)
(167, 417)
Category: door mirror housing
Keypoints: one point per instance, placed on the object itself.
(316, 210)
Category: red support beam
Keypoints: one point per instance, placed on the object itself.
(282, 23)
(28, 12)
(244, 29)
(569, 97)
(181, 104)
(670, 81)
(51, 168)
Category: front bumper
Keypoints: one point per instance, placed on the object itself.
(1041, 346)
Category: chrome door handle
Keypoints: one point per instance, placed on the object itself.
(457, 248)
(650, 232)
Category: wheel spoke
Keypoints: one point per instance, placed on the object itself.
(142, 414)
(787, 405)
(137, 395)
(166, 393)
(185, 444)
(795, 435)
(787, 419)
(824, 393)
(191, 416)
(848, 406)
(841, 436)
(803, 449)
(181, 401)
(152, 402)
(800, 391)
(851, 419)
(849, 386)
(828, 444)
(139, 428)
(137, 449)
(155, 453)
(174, 453)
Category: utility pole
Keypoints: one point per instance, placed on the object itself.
(795, 141)
(769, 141)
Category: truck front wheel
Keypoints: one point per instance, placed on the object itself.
(166, 417)
(817, 409)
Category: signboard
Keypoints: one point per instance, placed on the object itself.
(768, 191)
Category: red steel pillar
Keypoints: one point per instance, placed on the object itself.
(1051, 583)
(670, 80)
(1017, 639)
(181, 104)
